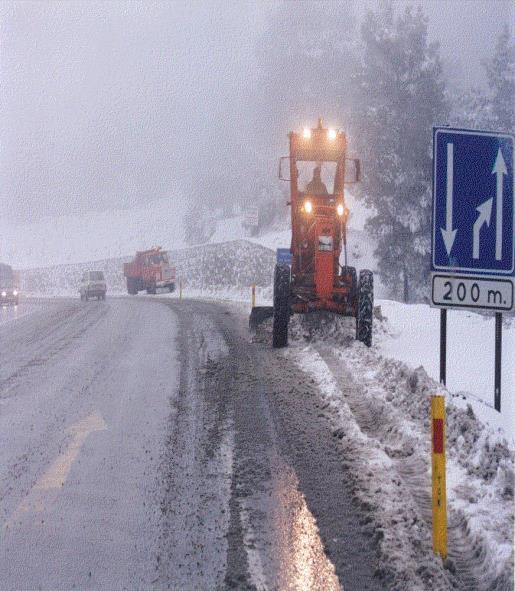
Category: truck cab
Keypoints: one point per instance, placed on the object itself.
(150, 270)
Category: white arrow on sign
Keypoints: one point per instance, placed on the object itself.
(448, 234)
(485, 213)
(499, 170)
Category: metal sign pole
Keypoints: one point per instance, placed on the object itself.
(498, 360)
(443, 345)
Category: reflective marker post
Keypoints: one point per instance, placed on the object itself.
(180, 289)
(439, 501)
(253, 296)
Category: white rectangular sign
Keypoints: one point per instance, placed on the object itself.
(488, 293)
(252, 217)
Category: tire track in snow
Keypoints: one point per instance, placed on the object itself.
(395, 433)
(407, 562)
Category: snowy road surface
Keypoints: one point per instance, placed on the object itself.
(12, 313)
(152, 443)
(149, 445)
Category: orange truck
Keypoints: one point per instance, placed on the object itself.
(150, 270)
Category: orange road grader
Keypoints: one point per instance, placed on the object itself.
(316, 275)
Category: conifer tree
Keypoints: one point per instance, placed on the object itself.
(400, 96)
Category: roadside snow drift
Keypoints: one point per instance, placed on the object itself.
(380, 410)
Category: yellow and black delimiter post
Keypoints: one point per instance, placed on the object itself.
(438, 476)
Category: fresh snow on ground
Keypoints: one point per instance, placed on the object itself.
(412, 335)
(380, 409)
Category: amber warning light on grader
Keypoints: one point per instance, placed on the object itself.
(319, 276)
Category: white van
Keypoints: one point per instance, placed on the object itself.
(93, 285)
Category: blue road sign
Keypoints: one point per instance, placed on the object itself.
(473, 202)
(283, 256)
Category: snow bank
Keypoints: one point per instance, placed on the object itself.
(406, 561)
(411, 333)
(380, 409)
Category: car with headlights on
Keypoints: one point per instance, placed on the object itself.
(9, 292)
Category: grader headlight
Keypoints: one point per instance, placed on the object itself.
(340, 209)
(308, 206)
(331, 134)
(306, 133)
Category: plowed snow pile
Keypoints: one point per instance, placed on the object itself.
(380, 410)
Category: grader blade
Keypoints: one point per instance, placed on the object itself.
(258, 315)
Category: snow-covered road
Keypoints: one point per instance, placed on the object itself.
(12, 313)
(152, 443)
(84, 402)
(144, 444)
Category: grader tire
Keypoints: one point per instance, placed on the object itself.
(365, 307)
(281, 306)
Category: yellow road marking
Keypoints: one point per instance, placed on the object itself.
(55, 476)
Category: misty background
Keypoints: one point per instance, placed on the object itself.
(158, 120)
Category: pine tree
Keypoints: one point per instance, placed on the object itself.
(400, 94)
(304, 58)
(471, 109)
(490, 109)
(500, 74)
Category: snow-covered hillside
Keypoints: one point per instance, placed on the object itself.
(119, 233)
(228, 267)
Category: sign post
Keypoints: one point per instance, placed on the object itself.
(498, 361)
(443, 346)
(472, 242)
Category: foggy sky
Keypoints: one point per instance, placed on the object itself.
(107, 105)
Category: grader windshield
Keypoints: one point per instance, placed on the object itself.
(317, 156)
(316, 178)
